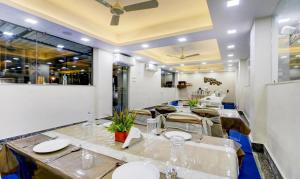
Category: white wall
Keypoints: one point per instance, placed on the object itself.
(29, 108)
(260, 75)
(103, 65)
(243, 87)
(283, 121)
(196, 79)
(145, 88)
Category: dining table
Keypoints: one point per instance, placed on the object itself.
(205, 157)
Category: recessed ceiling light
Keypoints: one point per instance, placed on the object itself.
(8, 33)
(19, 67)
(85, 39)
(182, 39)
(117, 50)
(73, 66)
(203, 63)
(7, 61)
(60, 46)
(61, 61)
(296, 66)
(230, 55)
(15, 58)
(31, 21)
(82, 70)
(63, 68)
(297, 56)
(284, 57)
(231, 46)
(49, 63)
(13, 68)
(26, 66)
(231, 3)
(75, 58)
(182, 65)
(231, 31)
(284, 20)
(145, 45)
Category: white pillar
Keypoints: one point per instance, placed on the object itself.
(102, 78)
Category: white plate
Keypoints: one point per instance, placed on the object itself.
(51, 146)
(136, 170)
(185, 135)
(107, 124)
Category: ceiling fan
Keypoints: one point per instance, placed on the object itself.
(117, 9)
(182, 56)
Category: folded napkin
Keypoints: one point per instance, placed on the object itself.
(134, 136)
(141, 112)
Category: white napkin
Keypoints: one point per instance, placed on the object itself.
(134, 136)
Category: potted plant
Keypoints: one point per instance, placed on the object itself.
(193, 103)
(121, 125)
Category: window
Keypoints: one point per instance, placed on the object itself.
(287, 23)
(31, 57)
(167, 79)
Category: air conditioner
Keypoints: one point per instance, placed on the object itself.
(122, 59)
(151, 67)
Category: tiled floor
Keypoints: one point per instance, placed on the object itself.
(263, 166)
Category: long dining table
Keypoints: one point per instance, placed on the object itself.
(210, 157)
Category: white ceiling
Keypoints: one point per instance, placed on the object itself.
(239, 17)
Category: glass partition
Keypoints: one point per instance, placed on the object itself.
(167, 79)
(31, 57)
(287, 24)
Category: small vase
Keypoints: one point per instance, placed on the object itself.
(121, 136)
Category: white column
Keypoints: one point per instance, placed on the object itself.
(103, 65)
(260, 75)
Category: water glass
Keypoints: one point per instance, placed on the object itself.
(200, 133)
(151, 126)
(177, 148)
(87, 159)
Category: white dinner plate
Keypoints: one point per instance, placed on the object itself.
(136, 170)
(51, 146)
(184, 135)
(107, 124)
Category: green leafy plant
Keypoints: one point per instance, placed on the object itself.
(193, 102)
(122, 121)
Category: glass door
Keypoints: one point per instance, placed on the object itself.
(120, 87)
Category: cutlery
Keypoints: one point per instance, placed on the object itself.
(113, 168)
(36, 143)
(75, 149)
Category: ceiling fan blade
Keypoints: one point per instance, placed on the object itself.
(115, 20)
(143, 5)
(173, 56)
(105, 3)
(193, 55)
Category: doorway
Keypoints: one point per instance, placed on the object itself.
(120, 87)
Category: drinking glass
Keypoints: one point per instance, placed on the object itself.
(199, 133)
(87, 159)
(151, 126)
(177, 152)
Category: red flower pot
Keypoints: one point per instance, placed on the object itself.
(121, 136)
